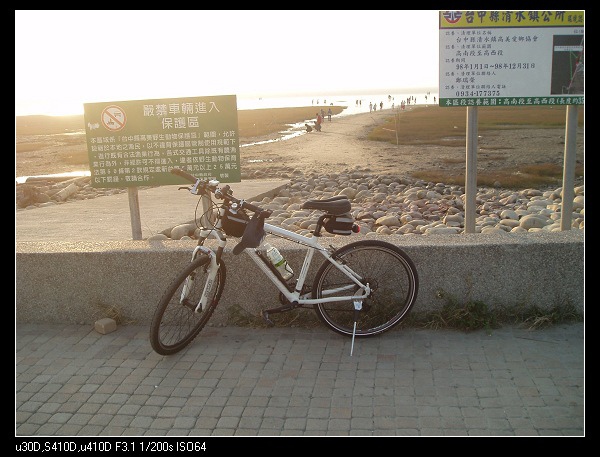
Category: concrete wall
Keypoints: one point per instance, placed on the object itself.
(78, 282)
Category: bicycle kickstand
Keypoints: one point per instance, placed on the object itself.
(357, 308)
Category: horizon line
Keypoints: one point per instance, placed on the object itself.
(271, 95)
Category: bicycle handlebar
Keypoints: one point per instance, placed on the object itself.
(184, 174)
(224, 193)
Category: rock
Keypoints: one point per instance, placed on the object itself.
(382, 204)
(182, 230)
(65, 193)
(532, 221)
(388, 221)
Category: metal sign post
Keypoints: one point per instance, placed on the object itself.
(471, 174)
(134, 211)
(513, 58)
(568, 192)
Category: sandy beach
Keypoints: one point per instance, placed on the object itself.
(342, 145)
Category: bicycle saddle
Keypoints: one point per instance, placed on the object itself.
(334, 205)
(253, 234)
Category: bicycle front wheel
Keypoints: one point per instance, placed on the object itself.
(391, 275)
(175, 323)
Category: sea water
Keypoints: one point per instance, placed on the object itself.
(352, 103)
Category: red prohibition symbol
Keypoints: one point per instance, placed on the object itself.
(113, 118)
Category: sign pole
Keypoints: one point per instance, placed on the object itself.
(568, 193)
(134, 211)
(471, 173)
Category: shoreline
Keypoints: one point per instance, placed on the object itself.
(293, 130)
(56, 145)
(345, 144)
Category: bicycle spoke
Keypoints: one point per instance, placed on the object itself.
(176, 323)
(365, 288)
(389, 273)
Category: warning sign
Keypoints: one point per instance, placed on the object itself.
(138, 142)
(113, 118)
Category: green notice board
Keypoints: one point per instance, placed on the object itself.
(138, 142)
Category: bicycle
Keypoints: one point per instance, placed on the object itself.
(361, 289)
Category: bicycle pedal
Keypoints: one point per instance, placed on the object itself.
(267, 319)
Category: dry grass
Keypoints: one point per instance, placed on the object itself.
(436, 126)
(433, 125)
(477, 315)
(112, 312)
(534, 175)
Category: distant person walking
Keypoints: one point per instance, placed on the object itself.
(329, 113)
(318, 122)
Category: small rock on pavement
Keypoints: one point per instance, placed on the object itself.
(106, 325)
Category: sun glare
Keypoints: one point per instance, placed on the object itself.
(215, 53)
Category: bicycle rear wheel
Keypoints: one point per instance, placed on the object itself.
(175, 323)
(391, 275)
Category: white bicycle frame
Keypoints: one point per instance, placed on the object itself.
(294, 296)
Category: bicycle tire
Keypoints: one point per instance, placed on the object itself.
(394, 284)
(175, 325)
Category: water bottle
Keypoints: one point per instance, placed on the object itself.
(279, 262)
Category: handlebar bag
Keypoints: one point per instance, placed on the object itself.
(234, 224)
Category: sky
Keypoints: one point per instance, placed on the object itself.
(64, 59)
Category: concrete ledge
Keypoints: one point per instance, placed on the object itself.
(79, 282)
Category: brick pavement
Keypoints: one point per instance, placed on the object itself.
(73, 381)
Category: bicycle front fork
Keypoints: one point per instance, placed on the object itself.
(212, 268)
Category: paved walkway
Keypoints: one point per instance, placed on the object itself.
(109, 218)
(73, 381)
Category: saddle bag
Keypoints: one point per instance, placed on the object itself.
(340, 225)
